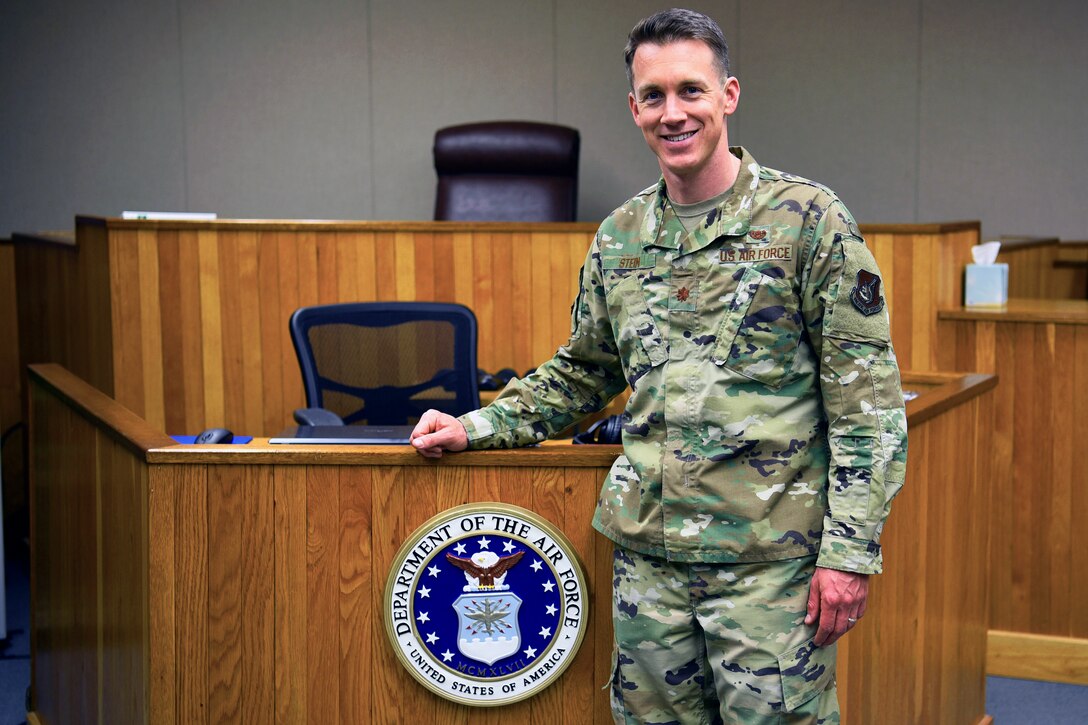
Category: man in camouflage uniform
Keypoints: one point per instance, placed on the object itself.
(765, 434)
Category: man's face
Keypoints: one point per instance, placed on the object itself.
(680, 104)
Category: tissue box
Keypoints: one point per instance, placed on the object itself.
(986, 285)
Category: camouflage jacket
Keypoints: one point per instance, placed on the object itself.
(765, 419)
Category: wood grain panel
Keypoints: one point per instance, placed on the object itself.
(1038, 483)
(233, 324)
(257, 576)
(291, 594)
(162, 594)
(11, 401)
(273, 575)
(1037, 657)
(356, 581)
(226, 682)
(191, 563)
(65, 677)
(1036, 272)
(190, 314)
(122, 567)
(214, 349)
(323, 590)
(918, 654)
(65, 289)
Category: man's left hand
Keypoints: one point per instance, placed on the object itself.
(836, 599)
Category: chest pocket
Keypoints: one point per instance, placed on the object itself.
(760, 331)
(638, 338)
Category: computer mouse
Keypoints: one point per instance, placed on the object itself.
(215, 435)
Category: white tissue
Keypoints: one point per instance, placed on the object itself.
(985, 253)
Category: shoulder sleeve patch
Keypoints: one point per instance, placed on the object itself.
(857, 309)
(866, 293)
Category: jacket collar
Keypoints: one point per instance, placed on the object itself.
(731, 219)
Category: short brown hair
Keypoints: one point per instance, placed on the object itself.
(669, 26)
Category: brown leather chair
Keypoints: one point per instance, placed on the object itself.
(507, 171)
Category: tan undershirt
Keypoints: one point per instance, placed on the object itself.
(691, 215)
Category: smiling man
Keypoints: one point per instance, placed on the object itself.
(765, 434)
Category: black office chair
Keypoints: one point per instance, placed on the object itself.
(385, 363)
(507, 171)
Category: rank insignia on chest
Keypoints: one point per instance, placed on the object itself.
(866, 293)
(684, 295)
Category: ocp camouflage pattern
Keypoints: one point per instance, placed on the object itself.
(694, 640)
(766, 419)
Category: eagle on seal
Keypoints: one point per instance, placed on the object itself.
(485, 569)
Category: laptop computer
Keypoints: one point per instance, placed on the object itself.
(345, 435)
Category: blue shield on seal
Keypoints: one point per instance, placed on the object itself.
(488, 625)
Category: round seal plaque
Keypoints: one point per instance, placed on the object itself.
(486, 604)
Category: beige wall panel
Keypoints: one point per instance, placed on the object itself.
(329, 109)
(1001, 115)
(91, 111)
(591, 95)
(438, 63)
(277, 108)
(830, 92)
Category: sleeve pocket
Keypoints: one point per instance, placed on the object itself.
(806, 672)
(850, 484)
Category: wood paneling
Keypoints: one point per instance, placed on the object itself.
(246, 581)
(922, 273)
(919, 653)
(1039, 487)
(1037, 657)
(1036, 270)
(186, 323)
(11, 408)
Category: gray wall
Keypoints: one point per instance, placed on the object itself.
(920, 110)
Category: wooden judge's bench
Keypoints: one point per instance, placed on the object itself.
(181, 584)
(185, 584)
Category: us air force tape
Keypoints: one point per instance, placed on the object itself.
(486, 604)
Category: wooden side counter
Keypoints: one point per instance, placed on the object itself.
(1039, 490)
(206, 584)
(185, 323)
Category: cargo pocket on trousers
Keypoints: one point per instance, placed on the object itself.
(615, 695)
(806, 671)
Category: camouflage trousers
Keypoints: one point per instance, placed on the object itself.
(717, 643)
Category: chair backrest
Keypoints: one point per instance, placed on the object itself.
(507, 171)
(385, 363)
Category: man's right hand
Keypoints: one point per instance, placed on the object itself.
(437, 432)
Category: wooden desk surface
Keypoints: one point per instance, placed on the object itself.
(1068, 312)
(449, 226)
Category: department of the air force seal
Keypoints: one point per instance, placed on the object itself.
(486, 604)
